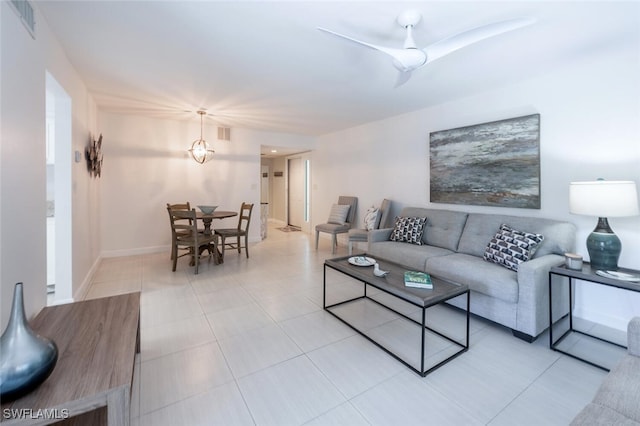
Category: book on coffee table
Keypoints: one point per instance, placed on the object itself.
(417, 279)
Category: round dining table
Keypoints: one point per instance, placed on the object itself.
(206, 221)
(208, 218)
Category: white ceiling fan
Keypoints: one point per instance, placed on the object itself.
(410, 57)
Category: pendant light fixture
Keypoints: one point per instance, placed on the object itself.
(200, 150)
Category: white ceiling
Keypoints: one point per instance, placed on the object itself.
(264, 65)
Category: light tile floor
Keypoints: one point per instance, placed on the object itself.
(247, 342)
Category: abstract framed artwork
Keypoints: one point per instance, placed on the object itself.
(489, 164)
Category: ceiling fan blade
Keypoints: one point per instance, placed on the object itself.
(403, 59)
(451, 44)
(403, 77)
(388, 51)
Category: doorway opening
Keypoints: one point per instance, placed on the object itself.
(264, 200)
(286, 188)
(59, 180)
(298, 192)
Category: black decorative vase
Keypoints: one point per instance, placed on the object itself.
(26, 359)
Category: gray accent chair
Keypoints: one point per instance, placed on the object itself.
(361, 235)
(335, 229)
(617, 401)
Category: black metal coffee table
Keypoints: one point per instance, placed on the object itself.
(393, 284)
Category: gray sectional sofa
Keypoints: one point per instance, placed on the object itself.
(617, 402)
(453, 246)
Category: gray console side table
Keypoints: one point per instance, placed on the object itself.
(586, 274)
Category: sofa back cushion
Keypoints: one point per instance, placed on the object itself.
(559, 237)
(443, 228)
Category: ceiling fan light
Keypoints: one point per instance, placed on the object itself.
(409, 59)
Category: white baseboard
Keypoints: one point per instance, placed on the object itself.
(603, 318)
(61, 302)
(150, 250)
(81, 292)
(136, 251)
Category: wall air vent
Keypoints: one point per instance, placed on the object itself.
(224, 133)
(25, 11)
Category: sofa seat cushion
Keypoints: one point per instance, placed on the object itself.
(409, 255)
(621, 387)
(358, 235)
(332, 228)
(481, 276)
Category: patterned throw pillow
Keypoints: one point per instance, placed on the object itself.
(338, 214)
(509, 247)
(408, 230)
(370, 218)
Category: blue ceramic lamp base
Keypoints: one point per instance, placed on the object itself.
(604, 247)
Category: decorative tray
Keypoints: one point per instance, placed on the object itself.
(361, 261)
(619, 276)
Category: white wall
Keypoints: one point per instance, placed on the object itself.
(85, 190)
(23, 189)
(590, 128)
(146, 166)
(23, 165)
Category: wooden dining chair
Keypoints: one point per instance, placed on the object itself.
(241, 231)
(185, 234)
(178, 206)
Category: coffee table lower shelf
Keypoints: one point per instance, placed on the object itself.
(393, 285)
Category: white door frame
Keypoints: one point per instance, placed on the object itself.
(63, 187)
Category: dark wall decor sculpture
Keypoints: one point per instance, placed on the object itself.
(489, 164)
(26, 358)
(93, 154)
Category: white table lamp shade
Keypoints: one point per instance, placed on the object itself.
(604, 198)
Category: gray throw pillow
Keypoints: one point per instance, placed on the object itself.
(338, 214)
(408, 230)
(510, 247)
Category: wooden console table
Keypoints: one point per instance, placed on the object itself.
(97, 342)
